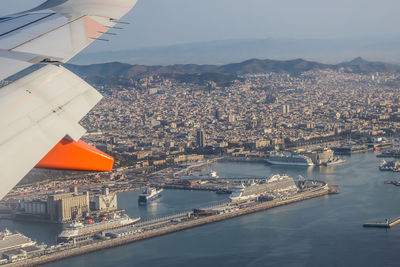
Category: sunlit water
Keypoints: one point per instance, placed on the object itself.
(325, 231)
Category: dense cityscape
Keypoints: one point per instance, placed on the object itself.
(159, 119)
(164, 132)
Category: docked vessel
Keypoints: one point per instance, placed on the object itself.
(149, 194)
(79, 231)
(335, 161)
(393, 166)
(10, 241)
(275, 184)
(393, 153)
(288, 158)
(351, 149)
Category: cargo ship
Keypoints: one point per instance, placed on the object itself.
(79, 231)
(252, 190)
(289, 158)
(149, 194)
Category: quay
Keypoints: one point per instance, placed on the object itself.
(189, 187)
(197, 166)
(171, 226)
(386, 224)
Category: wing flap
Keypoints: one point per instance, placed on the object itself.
(36, 112)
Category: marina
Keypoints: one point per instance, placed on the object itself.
(393, 166)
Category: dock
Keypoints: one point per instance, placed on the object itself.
(169, 226)
(386, 224)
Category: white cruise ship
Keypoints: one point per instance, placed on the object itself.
(10, 241)
(288, 158)
(79, 230)
(252, 190)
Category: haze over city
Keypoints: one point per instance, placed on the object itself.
(218, 31)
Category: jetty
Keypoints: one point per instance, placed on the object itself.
(386, 224)
(164, 226)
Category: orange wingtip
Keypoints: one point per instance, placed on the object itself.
(78, 156)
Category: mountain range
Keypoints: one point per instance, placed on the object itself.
(294, 67)
(221, 52)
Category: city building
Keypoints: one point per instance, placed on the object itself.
(104, 202)
(68, 207)
(201, 140)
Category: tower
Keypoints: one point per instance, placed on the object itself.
(200, 138)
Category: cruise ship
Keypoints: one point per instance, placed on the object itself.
(277, 183)
(10, 241)
(149, 194)
(289, 158)
(79, 231)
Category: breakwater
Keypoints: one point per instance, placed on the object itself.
(386, 224)
(84, 249)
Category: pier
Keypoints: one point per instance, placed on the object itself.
(386, 224)
(159, 227)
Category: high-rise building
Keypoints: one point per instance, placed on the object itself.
(201, 140)
(286, 108)
(231, 118)
(217, 114)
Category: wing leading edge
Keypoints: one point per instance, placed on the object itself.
(55, 31)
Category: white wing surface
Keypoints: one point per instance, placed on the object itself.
(55, 31)
(40, 109)
(37, 112)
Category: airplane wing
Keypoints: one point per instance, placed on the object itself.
(40, 113)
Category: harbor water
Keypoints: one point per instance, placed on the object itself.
(324, 231)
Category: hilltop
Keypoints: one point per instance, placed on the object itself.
(252, 66)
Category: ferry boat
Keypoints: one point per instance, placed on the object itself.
(335, 161)
(149, 194)
(79, 231)
(252, 190)
(289, 158)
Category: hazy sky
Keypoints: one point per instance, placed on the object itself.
(164, 22)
